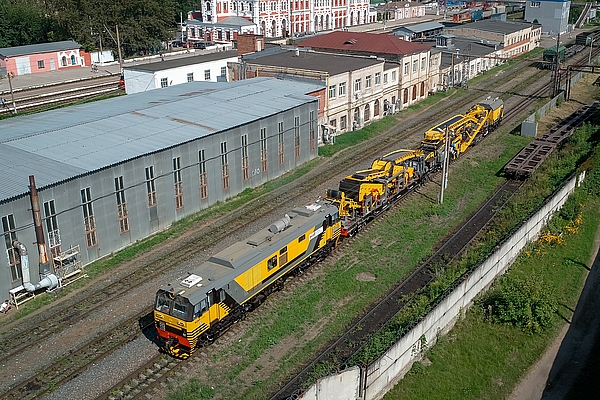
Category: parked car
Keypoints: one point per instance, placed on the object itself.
(203, 45)
(188, 45)
(177, 43)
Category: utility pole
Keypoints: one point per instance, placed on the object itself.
(445, 166)
(119, 48)
(12, 94)
(590, 56)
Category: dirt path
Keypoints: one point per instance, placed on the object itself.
(554, 374)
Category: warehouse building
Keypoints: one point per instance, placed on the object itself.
(113, 172)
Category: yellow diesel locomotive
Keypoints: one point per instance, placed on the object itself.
(195, 310)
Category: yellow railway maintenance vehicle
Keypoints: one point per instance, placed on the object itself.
(465, 129)
(219, 292)
(365, 194)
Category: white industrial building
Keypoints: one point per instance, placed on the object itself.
(210, 67)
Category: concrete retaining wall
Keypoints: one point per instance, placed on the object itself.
(383, 374)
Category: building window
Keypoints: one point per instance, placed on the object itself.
(281, 144)
(190, 77)
(207, 74)
(177, 183)
(535, 4)
(414, 65)
(405, 69)
(343, 122)
(263, 6)
(385, 78)
(41, 64)
(64, 61)
(52, 228)
(312, 131)
(10, 234)
(393, 76)
(342, 89)
(224, 166)
(423, 63)
(89, 222)
(357, 85)
(405, 96)
(72, 60)
(414, 92)
(422, 89)
(121, 205)
(245, 164)
(332, 91)
(163, 82)
(150, 186)
(263, 149)
(377, 78)
(273, 6)
(368, 82)
(203, 176)
(223, 71)
(297, 136)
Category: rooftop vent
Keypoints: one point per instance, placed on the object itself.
(191, 280)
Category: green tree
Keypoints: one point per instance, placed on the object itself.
(22, 22)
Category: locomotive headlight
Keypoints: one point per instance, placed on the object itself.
(184, 333)
(162, 326)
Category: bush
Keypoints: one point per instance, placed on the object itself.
(527, 303)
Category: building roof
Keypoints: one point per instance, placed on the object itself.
(422, 27)
(363, 42)
(60, 145)
(39, 48)
(504, 27)
(333, 64)
(183, 61)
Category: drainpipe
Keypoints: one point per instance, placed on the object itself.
(39, 231)
(50, 281)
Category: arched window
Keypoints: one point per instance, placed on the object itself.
(376, 108)
(273, 28)
(263, 28)
(72, 60)
(64, 61)
(405, 96)
(367, 113)
(422, 89)
(414, 92)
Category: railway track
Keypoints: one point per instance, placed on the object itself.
(85, 305)
(48, 96)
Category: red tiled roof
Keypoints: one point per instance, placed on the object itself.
(363, 42)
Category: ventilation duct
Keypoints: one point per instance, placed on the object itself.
(49, 281)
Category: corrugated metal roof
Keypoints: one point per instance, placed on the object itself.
(422, 27)
(39, 48)
(363, 42)
(62, 144)
(333, 64)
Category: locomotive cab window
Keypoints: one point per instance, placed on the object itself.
(301, 238)
(272, 263)
(181, 308)
(163, 303)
